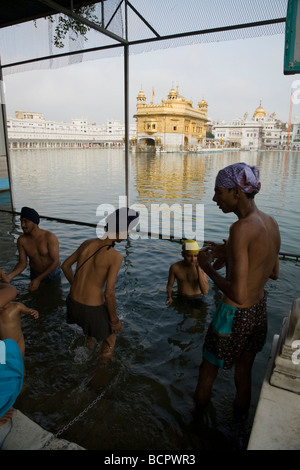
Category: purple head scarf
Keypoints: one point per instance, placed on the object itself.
(239, 174)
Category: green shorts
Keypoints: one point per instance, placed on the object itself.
(233, 331)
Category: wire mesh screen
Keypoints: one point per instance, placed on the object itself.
(144, 25)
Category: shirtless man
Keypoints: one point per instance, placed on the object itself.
(10, 321)
(192, 281)
(239, 327)
(40, 246)
(11, 334)
(91, 302)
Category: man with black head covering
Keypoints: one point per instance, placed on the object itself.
(91, 303)
(239, 327)
(40, 246)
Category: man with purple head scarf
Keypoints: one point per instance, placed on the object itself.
(242, 175)
(250, 256)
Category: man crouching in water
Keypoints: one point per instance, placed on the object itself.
(10, 314)
(239, 327)
(91, 302)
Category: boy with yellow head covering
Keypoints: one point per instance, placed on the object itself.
(190, 247)
(191, 280)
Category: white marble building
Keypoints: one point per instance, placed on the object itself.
(262, 131)
(30, 130)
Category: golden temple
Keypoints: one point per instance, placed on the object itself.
(172, 125)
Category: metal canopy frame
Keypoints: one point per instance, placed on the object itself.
(60, 6)
(35, 9)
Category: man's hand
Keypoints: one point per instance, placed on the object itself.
(4, 277)
(34, 313)
(116, 326)
(219, 253)
(34, 285)
(205, 257)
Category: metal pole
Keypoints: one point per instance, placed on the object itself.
(5, 135)
(126, 90)
(126, 110)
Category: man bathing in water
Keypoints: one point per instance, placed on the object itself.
(91, 302)
(239, 327)
(13, 370)
(191, 279)
(10, 315)
(40, 246)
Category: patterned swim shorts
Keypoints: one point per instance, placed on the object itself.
(233, 331)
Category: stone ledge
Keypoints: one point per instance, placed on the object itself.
(20, 433)
(286, 371)
(276, 424)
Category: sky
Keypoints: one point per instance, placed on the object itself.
(232, 76)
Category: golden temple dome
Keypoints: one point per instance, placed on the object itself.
(203, 105)
(141, 96)
(172, 94)
(259, 112)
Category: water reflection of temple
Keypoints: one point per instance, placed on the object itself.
(172, 125)
(168, 177)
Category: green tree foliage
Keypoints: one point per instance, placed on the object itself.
(209, 135)
(66, 24)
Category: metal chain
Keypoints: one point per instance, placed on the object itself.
(83, 412)
(93, 403)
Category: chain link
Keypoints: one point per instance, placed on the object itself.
(93, 403)
(83, 412)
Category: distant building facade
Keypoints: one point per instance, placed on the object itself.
(259, 132)
(29, 130)
(172, 125)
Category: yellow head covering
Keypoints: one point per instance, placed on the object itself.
(191, 247)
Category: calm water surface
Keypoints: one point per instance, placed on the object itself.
(144, 398)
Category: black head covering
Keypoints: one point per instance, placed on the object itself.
(30, 214)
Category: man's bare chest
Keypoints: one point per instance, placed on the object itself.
(188, 275)
(37, 248)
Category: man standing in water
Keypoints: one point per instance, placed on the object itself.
(40, 246)
(91, 303)
(239, 327)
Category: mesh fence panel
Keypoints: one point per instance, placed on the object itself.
(147, 25)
